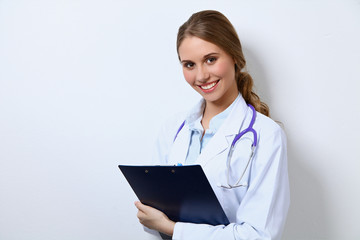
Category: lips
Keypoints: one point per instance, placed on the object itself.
(208, 87)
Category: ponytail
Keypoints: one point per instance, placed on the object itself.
(245, 86)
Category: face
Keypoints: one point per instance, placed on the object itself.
(209, 70)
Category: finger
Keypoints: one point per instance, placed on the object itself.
(138, 205)
(142, 207)
(140, 215)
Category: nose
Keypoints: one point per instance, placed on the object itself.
(202, 74)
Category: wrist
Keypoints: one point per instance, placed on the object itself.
(168, 227)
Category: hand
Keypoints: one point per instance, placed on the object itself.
(154, 219)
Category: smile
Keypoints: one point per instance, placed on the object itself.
(209, 86)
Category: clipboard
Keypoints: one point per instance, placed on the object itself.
(183, 193)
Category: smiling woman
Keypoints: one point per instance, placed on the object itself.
(210, 71)
(241, 150)
(213, 27)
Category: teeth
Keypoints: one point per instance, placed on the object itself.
(208, 86)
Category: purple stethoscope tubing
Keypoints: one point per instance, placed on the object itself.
(253, 146)
(249, 129)
(239, 135)
(181, 126)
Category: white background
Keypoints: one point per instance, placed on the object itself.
(85, 86)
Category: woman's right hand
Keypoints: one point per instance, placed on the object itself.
(154, 219)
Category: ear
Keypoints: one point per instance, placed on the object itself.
(235, 63)
(234, 60)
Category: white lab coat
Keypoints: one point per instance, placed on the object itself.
(257, 211)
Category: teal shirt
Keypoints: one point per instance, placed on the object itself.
(196, 143)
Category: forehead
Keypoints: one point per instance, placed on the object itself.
(193, 48)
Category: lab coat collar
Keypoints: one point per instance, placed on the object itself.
(196, 112)
(181, 144)
(219, 142)
(223, 137)
(195, 117)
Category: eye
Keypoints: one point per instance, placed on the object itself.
(188, 64)
(211, 59)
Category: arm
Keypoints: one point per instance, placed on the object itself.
(147, 215)
(263, 209)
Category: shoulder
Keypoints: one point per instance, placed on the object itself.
(169, 129)
(271, 147)
(166, 137)
(174, 123)
(171, 125)
(268, 128)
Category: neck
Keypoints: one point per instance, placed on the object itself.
(214, 108)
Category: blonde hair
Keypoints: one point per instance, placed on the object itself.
(214, 27)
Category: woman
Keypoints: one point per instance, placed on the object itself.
(254, 189)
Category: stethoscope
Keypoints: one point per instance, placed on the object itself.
(249, 129)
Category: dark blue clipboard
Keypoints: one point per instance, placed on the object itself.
(183, 193)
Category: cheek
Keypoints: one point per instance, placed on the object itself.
(189, 76)
(224, 69)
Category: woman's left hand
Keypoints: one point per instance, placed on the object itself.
(154, 219)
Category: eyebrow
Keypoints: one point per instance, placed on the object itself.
(205, 56)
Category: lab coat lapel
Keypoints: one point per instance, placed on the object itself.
(181, 144)
(222, 139)
(180, 147)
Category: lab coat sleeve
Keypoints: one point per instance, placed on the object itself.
(263, 210)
